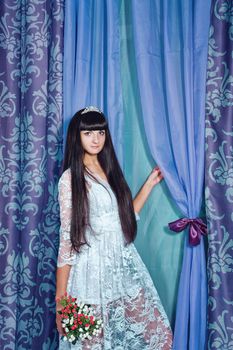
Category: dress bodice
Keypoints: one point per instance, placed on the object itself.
(103, 214)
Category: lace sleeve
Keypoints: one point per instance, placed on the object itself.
(65, 254)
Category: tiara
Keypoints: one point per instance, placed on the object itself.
(91, 109)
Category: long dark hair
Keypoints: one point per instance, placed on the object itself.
(73, 160)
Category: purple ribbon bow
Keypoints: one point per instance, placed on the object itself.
(196, 228)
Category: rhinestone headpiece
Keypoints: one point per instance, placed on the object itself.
(91, 109)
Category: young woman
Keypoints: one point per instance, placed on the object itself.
(98, 262)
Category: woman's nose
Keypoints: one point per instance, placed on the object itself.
(96, 138)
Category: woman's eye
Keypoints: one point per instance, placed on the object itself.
(102, 132)
(87, 133)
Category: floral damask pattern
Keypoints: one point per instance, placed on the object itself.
(219, 176)
(31, 54)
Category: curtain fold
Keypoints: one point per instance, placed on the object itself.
(171, 40)
(31, 39)
(160, 250)
(92, 62)
(219, 176)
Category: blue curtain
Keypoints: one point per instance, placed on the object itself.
(219, 176)
(159, 249)
(92, 62)
(31, 34)
(171, 40)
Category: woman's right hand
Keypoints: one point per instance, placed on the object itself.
(61, 289)
(59, 323)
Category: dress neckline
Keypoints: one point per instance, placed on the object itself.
(97, 176)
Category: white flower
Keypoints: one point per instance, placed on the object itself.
(71, 320)
(67, 330)
(99, 322)
(89, 337)
(80, 330)
(64, 338)
(63, 325)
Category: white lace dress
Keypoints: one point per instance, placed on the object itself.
(111, 276)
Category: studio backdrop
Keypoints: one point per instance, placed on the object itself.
(158, 70)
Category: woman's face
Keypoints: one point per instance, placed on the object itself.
(92, 141)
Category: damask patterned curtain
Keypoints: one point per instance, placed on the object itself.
(31, 35)
(219, 176)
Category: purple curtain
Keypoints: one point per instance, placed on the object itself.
(219, 176)
(31, 35)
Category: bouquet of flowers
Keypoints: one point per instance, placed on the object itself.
(78, 320)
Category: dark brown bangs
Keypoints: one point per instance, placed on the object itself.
(93, 121)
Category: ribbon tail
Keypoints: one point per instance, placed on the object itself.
(203, 227)
(194, 234)
(178, 225)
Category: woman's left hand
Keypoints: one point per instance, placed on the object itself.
(155, 177)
